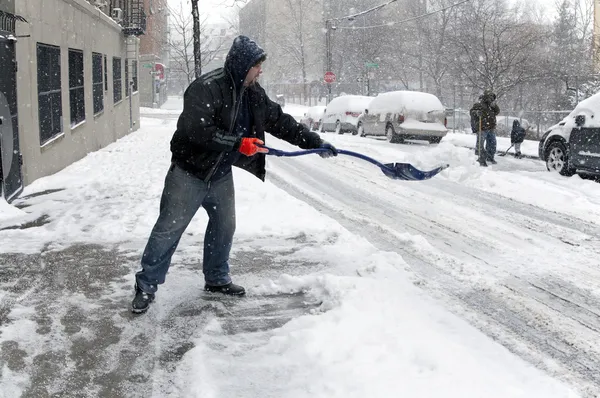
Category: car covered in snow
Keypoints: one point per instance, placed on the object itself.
(401, 115)
(342, 113)
(573, 145)
(313, 117)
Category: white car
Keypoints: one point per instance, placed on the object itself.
(342, 113)
(401, 115)
(573, 145)
(313, 117)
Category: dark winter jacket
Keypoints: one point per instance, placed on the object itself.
(206, 128)
(517, 134)
(487, 110)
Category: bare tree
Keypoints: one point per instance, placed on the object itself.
(181, 45)
(296, 32)
(496, 46)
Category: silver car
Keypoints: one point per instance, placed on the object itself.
(401, 115)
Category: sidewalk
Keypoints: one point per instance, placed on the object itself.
(74, 333)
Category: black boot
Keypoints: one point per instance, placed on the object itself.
(141, 301)
(229, 289)
(492, 161)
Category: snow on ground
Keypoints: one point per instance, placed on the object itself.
(468, 139)
(375, 335)
(8, 212)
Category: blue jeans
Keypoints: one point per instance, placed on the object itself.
(181, 198)
(489, 138)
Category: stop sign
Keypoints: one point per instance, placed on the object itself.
(329, 77)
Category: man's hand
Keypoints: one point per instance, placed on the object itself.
(249, 148)
(331, 152)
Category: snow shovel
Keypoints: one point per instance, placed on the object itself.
(506, 152)
(396, 171)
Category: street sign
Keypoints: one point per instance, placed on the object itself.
(371, 65)
(148, 66)
(329, 77)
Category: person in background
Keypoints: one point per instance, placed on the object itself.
(226, 114)
(483, 116)
(517, 136)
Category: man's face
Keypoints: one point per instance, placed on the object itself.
(253, 75)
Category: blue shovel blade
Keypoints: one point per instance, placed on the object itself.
(406, 171)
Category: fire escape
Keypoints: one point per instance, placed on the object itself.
(131, 16)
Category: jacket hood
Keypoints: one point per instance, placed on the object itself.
(243, 55)
(516, 123)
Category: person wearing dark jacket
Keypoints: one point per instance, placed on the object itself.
(483, 117)
(226, 114)
(517, 136)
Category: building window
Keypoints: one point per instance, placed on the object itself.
(105, 74)
(49, 94)
(117, 83)
(98, 93)
(76, 94)
(127, 85)
(134, 77)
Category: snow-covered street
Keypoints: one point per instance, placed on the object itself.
(476, 283)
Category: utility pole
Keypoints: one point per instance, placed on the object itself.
(197, 53)
(328, 28)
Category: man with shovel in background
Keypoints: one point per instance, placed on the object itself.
(225, 116)
(483, 115)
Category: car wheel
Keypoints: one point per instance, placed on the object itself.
(338, 127)
(434, 140)
(557, 159)
(391, 135)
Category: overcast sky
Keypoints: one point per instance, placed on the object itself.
(214, 9)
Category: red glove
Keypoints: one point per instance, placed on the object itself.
(248, 146)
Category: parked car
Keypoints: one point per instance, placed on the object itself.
(313, 117)
(573, 145)
(401, 115)
(343, 112)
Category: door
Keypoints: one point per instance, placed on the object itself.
(585, 148)
(11, 180)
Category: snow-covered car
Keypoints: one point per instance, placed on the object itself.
(401, 115)
(342, 113)
(573, 145)
(313, 117)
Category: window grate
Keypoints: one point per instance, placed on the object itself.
(76, 87)
(117, 80)
(49, 93)
(97, 83)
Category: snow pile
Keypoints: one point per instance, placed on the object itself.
(381, 337)
(8, 212)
